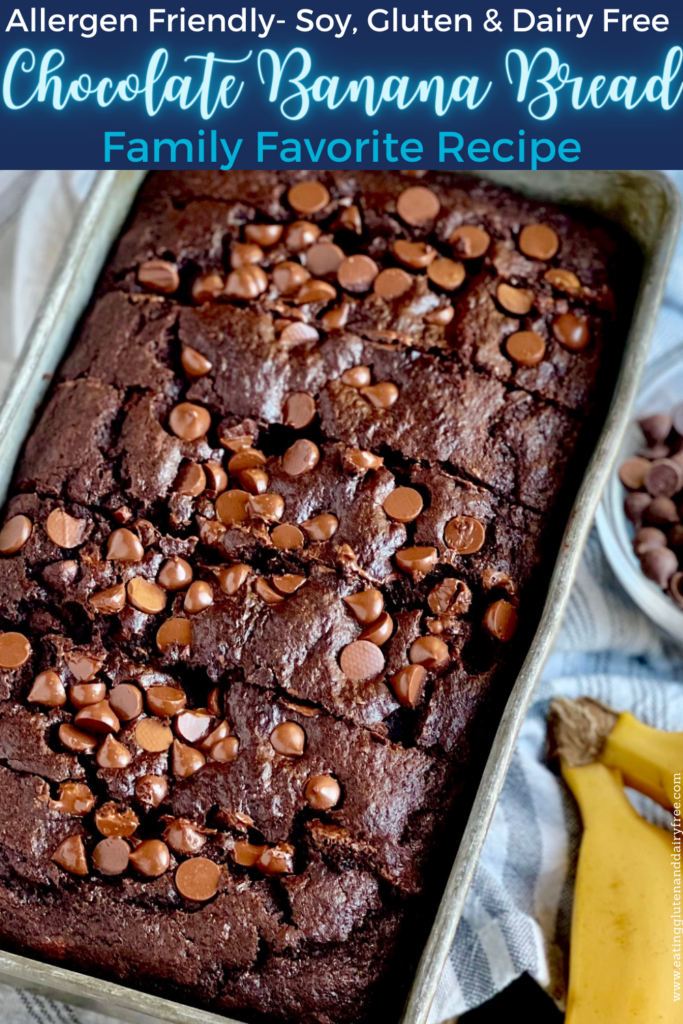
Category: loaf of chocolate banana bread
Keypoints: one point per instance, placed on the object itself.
(271, 558)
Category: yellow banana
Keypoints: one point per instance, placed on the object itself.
(648, 759)
(621, 963)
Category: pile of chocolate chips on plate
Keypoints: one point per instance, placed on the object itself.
(654, 503)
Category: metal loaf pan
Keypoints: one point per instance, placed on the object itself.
(647, 207)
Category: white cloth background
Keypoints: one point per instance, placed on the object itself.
(517, 915)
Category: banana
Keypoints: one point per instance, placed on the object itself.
(621, 964)
(647, 758)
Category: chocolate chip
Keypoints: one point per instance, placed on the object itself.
(418, 206)
(299, 411)
(298, 334)
(265, 235)
(289, 583)
(287, 537)
(189, 422)
(267, 593)
(231, 507)
(361, 461)
(656, 428)
(82, 695)
(109, 601)
(302, 457)
(392, 283)
(70, 855)
(113, 754)
(246, 458)
(15, 650)
(465, 535)
(366, 606)
(145, 596)
(322, 792)
(288, 739)
(403, 504)
(198, 597)
(446, 274)
(635, 505)
(301, 234)
(64, 530)
(110, 856)
(151, 790)
(647, 538)
(450, 596)
(335, 319)
(380, 631)
(430, 652)
(185, 760)
(254, 481)
(632, 472)
(114, 821)
(417, 255)
(193, 726)
(126, 702)
(82, 665)
(225, 750)
(124, 546)
(97, 718)
(517, 301)
(661, 511)
(470, 242)
(315, 291)
(175, 574)
(500, 620)
(47, 689)
(245, 254)
(247, 282)
(159, 275)
(526, 348)
(14, 534)
(183, 837)
(418, 560)
(308, 197)
(165, 701)
(321, 528)
(659, 564)
(361, 661)
(382, 395)
(76, 740)
(572, 332)
(323, 259)
(664, 477)
(538, 241)
(74, 798)
(194, 363)
(277, 860)
(357, 273)
(232, 577)
(350, 219)
(408, 684)
(206, 288)
(151, 858)
(288, 277)
(216, 478)
(269, 507)
(356, 377)
(563, 280)
(153, 736)
(247, 854)
(191, 480)
(198, 879)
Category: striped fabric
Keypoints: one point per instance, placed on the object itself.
(517, 915)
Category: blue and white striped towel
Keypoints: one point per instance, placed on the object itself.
(517, 916)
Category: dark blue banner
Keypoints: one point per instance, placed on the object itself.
(284, 84)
